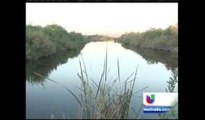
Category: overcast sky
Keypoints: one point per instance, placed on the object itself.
(103, 18)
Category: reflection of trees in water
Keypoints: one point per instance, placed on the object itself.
(171, 62)
(46, 65)
(154, 56)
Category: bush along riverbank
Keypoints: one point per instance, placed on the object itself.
(49, 40)
(157, 39)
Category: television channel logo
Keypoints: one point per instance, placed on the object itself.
(159, 102)
(150, 99)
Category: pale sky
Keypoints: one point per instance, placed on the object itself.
(103, 18)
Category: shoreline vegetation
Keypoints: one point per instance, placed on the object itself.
(155, 39)
(52, 39)
(48, 40)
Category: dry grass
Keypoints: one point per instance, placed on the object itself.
(101, 101)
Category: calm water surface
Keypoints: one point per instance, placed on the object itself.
(45, 99)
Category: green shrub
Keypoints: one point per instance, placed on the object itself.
(153, 38)
(38, 45)
(49, 40)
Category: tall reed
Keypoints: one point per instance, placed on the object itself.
(99, 100)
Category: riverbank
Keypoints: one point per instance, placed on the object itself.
(49, 40)
(156, 39)
(52, 39)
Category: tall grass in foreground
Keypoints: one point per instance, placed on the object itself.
(101, 100)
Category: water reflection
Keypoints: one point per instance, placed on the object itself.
(45, 66)
(153, 56)
(52, 99)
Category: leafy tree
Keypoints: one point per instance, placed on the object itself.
(153, 38)
(48, 40)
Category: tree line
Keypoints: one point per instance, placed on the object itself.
(51, 39)
(159, 39)
(48, 40)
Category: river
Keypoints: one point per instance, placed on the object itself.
(45, 99)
